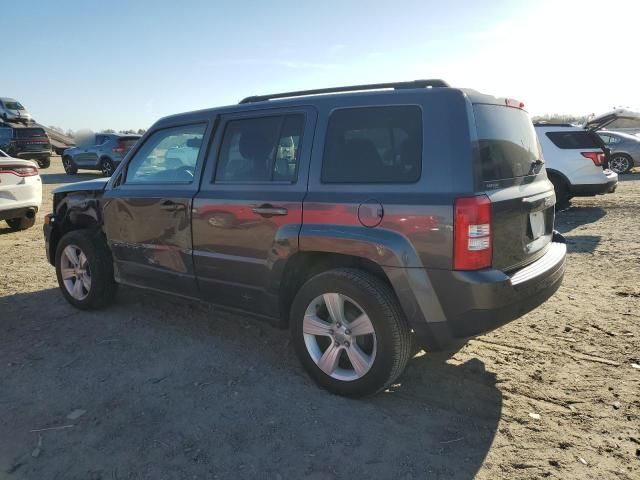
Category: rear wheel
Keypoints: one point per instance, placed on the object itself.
(84, 268)
(106, 166)
(562, 192)
(349, 332)
(69, 167)
(21, 223)
(44, 162)
(620, 163)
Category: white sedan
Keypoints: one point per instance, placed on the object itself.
(20, 192)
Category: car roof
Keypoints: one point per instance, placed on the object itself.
(349, 95)
(626, 136)
(7, 99)
(564, 127)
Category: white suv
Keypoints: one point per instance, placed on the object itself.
(20, 192)
(576, 158)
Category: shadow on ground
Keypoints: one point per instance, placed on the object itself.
(176, 389)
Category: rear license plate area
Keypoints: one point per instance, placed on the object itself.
(537, 224)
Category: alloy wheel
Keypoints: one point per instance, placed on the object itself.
(619, 164)
(107, 168)
(75, 272)
(339, 336)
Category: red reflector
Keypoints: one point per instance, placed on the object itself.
(472, 242)
(595, 157)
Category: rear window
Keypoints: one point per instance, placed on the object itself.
(373, 145)
(574, 140)
(29, 132)
(508, 143)
(128, 142)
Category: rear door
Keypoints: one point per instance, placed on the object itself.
(248, 213)
(511, 172)
(147, 211)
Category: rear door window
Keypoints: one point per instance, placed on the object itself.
(373, 145)
(507, 141)
(574, 140)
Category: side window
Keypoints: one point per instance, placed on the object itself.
(574, 139)
(373, 145)
(260, 149)
(99, 140)
(168, 156)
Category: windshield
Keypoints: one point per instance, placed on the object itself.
(508, 143)
(14, 106)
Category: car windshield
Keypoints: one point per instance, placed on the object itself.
(14, 106)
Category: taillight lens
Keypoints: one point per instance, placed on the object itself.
(472, 245)
(19, 170)
(120, 148)
(595, 157)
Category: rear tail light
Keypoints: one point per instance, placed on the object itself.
(472, 246)
(120, 148)
(19, 170)
(595, 157)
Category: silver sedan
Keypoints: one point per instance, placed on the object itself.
(625, 150)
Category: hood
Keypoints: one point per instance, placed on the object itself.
(625, 118)
(96, 185)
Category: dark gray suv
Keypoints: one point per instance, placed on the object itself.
(367, 219)
(103, 152)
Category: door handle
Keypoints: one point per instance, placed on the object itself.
(171, 206)
(268, 210)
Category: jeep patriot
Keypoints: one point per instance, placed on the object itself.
(368, 220)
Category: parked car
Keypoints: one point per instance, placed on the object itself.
(576, 161)
(28, 143)
(103, 152)
(12, 110)
(625, 150)
(393, 226)
(20, 192)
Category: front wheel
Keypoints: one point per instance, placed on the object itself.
(349, 332)
(620, 163)
(84, 268)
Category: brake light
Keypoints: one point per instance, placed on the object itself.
(19, 170)
(120, 148)
(512, 102)
(595, 157)
(472, 245)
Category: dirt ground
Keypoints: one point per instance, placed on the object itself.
(160, 388)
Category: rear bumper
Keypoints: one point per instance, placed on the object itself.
(473, 303)
(30, 155)
(589, 190)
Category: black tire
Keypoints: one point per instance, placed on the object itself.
(106, 167)
(623, 159)
(100, 265)
(562, 192)
(21, 223)
(69, 167)
(44, 162)
(392, 332)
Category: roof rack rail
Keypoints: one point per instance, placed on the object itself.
(434, 83)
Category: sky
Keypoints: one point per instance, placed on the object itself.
(85, 64)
